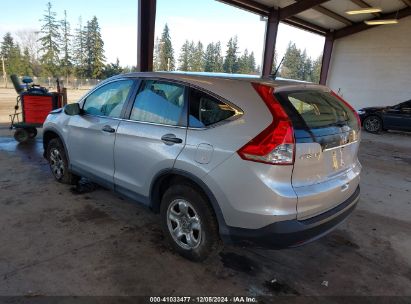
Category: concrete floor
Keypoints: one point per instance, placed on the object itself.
(55, 241)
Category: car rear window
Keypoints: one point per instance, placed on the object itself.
(320, 109)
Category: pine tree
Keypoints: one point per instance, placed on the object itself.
(26, 65)
(12, 55)
(243, 63)
(113, 69)
(166, 58)
(79, 49)
(197, 63)
(50, 41)
(218, 58)
(95, 50)
(156, 55)
(183, 60)
(316, 70)
(293, 64)
(209, 58)
(66, 60)
(231, 60)
(251, 63)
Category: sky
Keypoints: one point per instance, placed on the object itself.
(205, 20)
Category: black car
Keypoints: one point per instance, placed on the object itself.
(375, 119)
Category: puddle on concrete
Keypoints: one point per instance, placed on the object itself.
(31, 151)
(239, 263)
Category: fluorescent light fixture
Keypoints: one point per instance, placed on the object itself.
(366, 10)
(381, 21)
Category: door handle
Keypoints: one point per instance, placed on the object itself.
(108, 129)
(170, 139)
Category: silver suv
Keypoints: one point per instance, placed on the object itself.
(244, 160)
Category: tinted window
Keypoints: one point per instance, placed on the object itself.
(206, 110)
(320, 109)
(159, 102)
(109, 99)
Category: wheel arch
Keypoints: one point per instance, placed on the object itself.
(168, 177)
(50, 134)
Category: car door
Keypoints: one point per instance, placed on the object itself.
(92, 134)
(398, 117)
(152, 137)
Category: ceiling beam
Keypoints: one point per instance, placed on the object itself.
(305, 25)
(361, 26)
(263, 10)
(298, 7)
(331, 14)
(250, 5)
(407, 2)
(363, 4)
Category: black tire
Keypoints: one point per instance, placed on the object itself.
(21, 135)
(207, 238)
(32, 132)
(372, 124)
(56, 155)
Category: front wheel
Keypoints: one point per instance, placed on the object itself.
(56, 155)
(189, 222)
(372, 124)
(21, 135)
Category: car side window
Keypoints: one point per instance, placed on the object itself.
(159, 102)
(109, 99)
(206, 110)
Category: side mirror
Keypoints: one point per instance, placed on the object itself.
(72, 109)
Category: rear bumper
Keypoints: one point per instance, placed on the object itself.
(293, 233)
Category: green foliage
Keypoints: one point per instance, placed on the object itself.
(94, 45)
(213, 59)
(297, 65)
(166, 52)
(79, 49)
(185, 56)
(49, 40)
(231, 64)
(66, 60)
(112, 69)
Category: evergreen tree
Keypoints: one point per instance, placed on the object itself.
(12, 55)
(218, 58)
(243, 63)
(112, 69)
(251, 63)
(66, 60)
(293, 64)
(95, 50)
(209, 58)
(79, 49)
(166, 58)
(197, 63)
(183, 61)
(231, 60)
(50, 41)
(26, 65)
(156, 55)
(316, 70)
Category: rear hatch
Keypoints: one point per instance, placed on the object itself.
(326, 131)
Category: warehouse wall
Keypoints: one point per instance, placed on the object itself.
(373, 67)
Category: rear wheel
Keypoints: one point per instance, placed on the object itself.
(32, 132)
(372, 124)
(189, 222)
(21, 135)
(57, 158)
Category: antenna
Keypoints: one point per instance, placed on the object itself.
(275, 74)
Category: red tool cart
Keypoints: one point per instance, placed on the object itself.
(36, 103)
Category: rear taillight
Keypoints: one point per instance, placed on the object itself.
(350, 107)
(275, 145)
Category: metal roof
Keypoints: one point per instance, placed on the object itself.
(325, 17)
